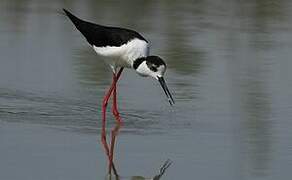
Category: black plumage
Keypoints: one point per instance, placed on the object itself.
(101, 36)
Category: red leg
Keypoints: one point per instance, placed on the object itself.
(115, 130)
(114, 133)
(115, 105)
(103, 132)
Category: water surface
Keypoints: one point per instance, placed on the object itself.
(229, 67)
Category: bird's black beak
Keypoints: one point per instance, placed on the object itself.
(166, 91)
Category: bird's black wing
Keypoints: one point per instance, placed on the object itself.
(101, 36)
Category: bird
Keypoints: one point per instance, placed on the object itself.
(120, 48)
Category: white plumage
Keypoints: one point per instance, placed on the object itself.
(125, 55)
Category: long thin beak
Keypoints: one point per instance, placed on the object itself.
(166, 91)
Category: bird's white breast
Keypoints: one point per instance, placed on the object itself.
(124, 55)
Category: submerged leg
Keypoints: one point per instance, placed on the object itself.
(114, 133)
(103, 132)
(115, 130)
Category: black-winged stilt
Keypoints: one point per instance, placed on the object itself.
(121, 48)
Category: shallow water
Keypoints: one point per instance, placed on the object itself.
(228, 68)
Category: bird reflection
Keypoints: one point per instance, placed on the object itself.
(156, 177)
(109, 148)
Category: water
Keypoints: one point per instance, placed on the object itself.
(228, 68)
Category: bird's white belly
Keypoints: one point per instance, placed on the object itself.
(124, 56)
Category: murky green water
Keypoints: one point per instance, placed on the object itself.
(229, 68)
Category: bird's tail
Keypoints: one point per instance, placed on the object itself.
(76, 21)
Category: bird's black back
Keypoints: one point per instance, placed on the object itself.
(101, 36)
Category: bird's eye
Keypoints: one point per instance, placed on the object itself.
(153, 67)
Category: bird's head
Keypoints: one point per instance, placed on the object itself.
(153, 66)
